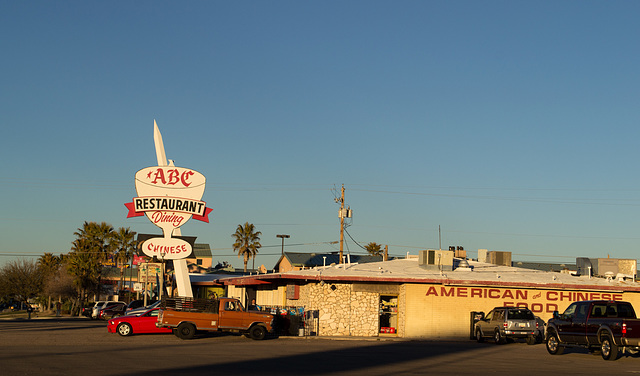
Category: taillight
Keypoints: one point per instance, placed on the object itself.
(537, 325)
(506, 325)
(624, 328)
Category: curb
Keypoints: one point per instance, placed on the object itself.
(44, 318)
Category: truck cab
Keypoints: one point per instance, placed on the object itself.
(602, 325)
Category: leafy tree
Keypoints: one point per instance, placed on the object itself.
(61, 283)
(21, 280)
(374, 249)
(124, 247)
(247, 242)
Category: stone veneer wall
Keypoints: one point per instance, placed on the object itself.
(342, 312)
(402, 307)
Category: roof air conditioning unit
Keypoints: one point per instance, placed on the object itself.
(499, 258)
(436, 260)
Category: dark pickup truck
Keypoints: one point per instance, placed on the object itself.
(608, 326)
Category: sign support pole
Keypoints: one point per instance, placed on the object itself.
(181, 271)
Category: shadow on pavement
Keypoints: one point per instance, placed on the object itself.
(349, 360)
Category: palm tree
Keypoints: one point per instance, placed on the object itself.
(125, 245)
(85, 267)
(374, 249)
(247, 242)
(100, 236)
(49, 265)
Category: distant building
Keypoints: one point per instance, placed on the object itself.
(298, 261)
(201, 256)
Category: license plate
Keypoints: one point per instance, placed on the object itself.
(522, 325)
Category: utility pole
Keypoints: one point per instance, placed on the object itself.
(343, 213)
(341, 223)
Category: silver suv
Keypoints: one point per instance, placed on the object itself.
(504, 323)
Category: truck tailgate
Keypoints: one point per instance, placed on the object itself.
(631, 332)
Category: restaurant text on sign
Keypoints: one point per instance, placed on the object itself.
(163, 249)
(185, 205)
(170, 176)
(518, 297)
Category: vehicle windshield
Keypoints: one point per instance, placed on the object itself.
(152, 313)
(521, 314)
(233, 306)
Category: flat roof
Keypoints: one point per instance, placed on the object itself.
(408, 271)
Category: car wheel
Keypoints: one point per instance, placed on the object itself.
(185, 331)
(479, 336)
(553, 344)
(258, 332)
(531, 340)
(498, 338)
(124, 329)
(609, 349)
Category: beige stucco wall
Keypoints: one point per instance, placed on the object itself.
(270, 296)
(439, 311)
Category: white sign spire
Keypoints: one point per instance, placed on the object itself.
(181, 270)
(157, 139)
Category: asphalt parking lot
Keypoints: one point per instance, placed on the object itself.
(83, 347)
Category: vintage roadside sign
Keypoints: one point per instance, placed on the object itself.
(147, 272)
(169, 196)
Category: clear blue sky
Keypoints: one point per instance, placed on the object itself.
(513, 125)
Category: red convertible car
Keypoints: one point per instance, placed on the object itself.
(144, 323)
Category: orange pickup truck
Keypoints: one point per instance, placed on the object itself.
(187, 315)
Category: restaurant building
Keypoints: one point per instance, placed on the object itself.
(430, 296)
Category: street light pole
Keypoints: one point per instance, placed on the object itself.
(162, 254)
(282, 237)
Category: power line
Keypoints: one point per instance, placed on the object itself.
(232, 187)
(522, 199)
(358, 244)
(502, 188)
